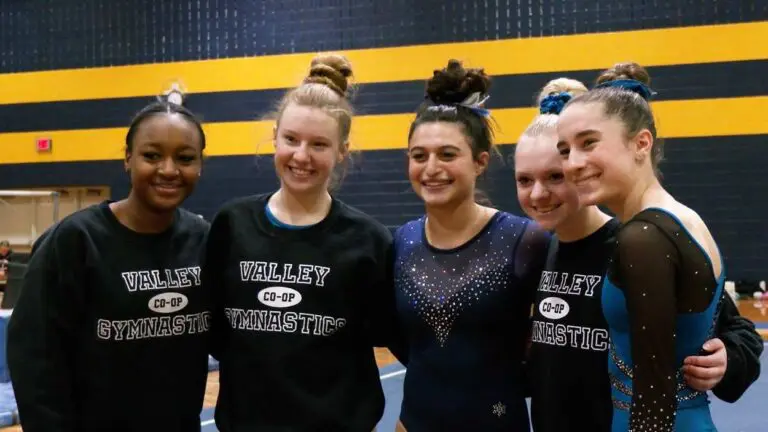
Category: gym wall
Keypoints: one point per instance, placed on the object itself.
(77, 72)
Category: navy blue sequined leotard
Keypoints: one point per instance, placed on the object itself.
(465, 313)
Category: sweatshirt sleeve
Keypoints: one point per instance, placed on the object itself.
(743, 346)
(42, 331)
(381, 316)
(387, 329)
(212, 267)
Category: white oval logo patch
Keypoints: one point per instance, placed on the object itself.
(279, 297)
(168, 302)
(553, 308)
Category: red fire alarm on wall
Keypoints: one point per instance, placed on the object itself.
(44, 145)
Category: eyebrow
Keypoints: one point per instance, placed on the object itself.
(157, 146)
(546, 172)
(584, 133)
(314, 137)
(150, 144)
(579, 135)
(442, 147)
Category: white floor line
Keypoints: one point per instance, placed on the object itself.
(392, 374)
(382, 377)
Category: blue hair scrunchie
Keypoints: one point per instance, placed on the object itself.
(554, 103)
(634, 86)
(480, 112)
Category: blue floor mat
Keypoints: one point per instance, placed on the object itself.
(746, 415)
(8, 411)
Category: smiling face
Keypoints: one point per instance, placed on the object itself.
(441, 167)
(165, 161)
(542, 189)
(599, 159)
(307, 149)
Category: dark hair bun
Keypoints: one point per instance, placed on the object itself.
(332, 70)
(629, 70)
(453, 84)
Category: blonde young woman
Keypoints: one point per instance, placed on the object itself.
(300, 280)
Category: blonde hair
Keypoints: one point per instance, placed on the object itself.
(327, 87)
(546, 122)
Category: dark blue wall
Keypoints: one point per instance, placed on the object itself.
(720, 177)
(63, 34)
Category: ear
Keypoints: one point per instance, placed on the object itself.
(274, 136)
(481, 163)
(343, 152)
(642, 144)
(127, 161)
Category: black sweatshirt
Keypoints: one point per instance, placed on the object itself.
(744, 345)
(568, 362)
(296, 315)
(109, 331)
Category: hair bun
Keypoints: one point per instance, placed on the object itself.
(556, 93)
(629, 71)
(627, 76)
(454, 84)
(561, 85)
(175, 95)
(332, 70)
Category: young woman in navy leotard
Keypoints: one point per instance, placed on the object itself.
(464, 273)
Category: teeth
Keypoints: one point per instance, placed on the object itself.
(299, 171)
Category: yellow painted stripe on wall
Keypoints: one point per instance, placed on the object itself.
(687, 45)
(677, 119)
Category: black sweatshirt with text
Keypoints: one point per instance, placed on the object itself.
(110, 329)
(296, 314)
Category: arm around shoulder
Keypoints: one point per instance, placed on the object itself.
(743, 346)
(389, 333)
(213, 260)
